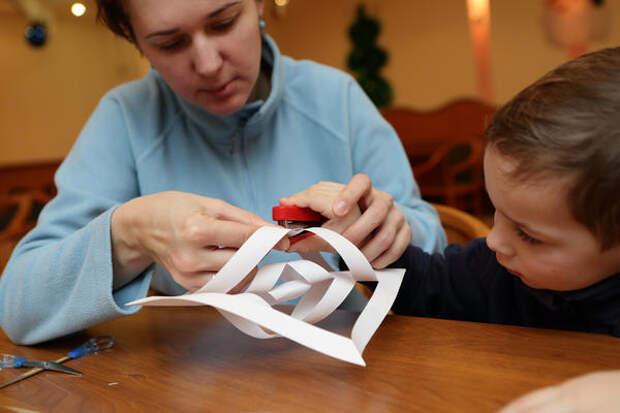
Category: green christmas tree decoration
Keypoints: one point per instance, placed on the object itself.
(367, 58)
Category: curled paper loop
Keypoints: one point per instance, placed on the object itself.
(320, 289)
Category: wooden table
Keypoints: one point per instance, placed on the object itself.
(191, 359)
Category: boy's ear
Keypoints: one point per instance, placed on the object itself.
(615, 252)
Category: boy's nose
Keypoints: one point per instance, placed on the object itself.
(207, 59)
(498, 242)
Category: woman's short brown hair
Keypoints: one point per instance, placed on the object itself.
(113, 14)
(567, 124)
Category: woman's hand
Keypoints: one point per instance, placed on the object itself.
(190, 236)
(594, 392)
(319, 198)
(361, 213)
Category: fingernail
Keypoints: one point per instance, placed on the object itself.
(282, 245)
(340, 208)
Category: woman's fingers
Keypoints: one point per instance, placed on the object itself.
(206, 231)
(380, 204)
(222, 210)
(311, 244)
(203, 231)
(358, 188)
(192, 281)
(381, 232)
(319, 197)
(190, 236)
(401, 241)
(195, 260)
(384, 236)
(233, 226)
(339, 225)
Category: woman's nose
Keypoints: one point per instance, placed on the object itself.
(207, 59)
(498, 239)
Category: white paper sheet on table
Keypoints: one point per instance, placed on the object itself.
(321, 290)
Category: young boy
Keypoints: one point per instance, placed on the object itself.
(552, 171)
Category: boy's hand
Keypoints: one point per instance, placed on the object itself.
(361, 213)
(594, 392)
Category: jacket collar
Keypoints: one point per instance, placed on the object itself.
(604, 290)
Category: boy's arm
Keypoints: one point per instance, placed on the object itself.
(454, 285)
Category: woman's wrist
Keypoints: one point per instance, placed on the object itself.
(128, 256)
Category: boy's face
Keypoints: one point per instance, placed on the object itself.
(535, 236)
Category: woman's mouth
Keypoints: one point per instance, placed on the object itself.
(220, 91)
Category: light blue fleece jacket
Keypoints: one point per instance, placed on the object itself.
(316, 125)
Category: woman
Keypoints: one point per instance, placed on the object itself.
(145, 197)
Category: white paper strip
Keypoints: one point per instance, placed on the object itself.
(321, 290)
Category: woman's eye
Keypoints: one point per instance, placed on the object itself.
(526, 237)
(171, 45)
(223, 25)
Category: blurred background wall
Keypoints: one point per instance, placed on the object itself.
(48, 93)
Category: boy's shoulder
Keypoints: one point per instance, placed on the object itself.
(474, 258)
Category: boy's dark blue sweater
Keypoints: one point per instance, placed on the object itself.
(467, 283)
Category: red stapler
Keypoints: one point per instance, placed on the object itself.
(294, 217)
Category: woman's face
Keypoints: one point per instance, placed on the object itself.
(208, 51)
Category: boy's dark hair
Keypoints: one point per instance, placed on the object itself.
(568, 124)
(113, 14)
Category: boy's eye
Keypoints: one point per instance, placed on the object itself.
(526, 237)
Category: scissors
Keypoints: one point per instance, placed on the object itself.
(294, 217)
(93, 345)
(10, 361)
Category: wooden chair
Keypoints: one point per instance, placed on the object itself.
(445, 148)
(460, 226)
(18, 213)
(30, 176)
(24, 190)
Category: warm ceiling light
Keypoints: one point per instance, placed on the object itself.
(478, 9)
(78, 9)
(281, 3)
